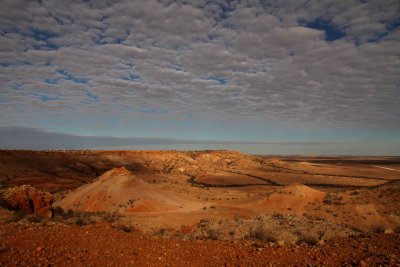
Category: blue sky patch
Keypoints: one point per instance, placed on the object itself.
(132, 77)
(70, 77)
(332, 32)
(46, 98)
(152, 111)
(93, 97)
(219, 80)
(5, 64)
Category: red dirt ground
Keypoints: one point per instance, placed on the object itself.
(24, 244)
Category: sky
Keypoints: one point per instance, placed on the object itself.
(265, 77)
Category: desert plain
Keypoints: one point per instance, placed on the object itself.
(176, 208)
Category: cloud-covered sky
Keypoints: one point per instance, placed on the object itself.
(268, 71)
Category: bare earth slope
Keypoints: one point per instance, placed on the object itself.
(119, 190)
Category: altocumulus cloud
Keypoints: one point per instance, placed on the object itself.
(313, 63)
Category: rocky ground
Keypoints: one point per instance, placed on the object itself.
(101, 244)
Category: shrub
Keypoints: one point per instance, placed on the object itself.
(4, 204)
(34, 218)
(307, 238)
(161, 231)
(110, 217)
(378, 229)
(127, 228)
(58, 210)
(86, 214)
(70, 213)
(81, 222)
(212, 234)
(278, 216)
(327, 200)
(262, 234)
(16, 216)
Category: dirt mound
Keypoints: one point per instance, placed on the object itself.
(120, 190)
(390, 184)
(300, 190)
(30, 200)
(293, 198)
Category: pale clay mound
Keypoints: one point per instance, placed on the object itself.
(120, 190)
(293, 198)
(301, 190)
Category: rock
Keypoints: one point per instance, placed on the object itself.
(389, 231)
(281, 243)
(30, 199)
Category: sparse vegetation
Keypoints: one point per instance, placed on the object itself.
(308, 238)
(123, 227)
(4, 204)
(378, 229)
(262, 234)
(327, 200)
(81, 222)
(212, 234)
(16, 216)
(34, 218)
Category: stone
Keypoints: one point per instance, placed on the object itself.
(30, 200)
(281, 243)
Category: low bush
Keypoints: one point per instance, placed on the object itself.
(16, 216)
(58, 210)
(34, 218)
(327, 200)
(308, 238)
(212, 234)
(378, 229)
(81, 222)
(262, 234)
(4, 204)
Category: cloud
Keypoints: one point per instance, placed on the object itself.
(273, 61)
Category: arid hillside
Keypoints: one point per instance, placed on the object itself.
(279, 205)
(171, 188)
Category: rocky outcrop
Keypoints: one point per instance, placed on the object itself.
(30, 200)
